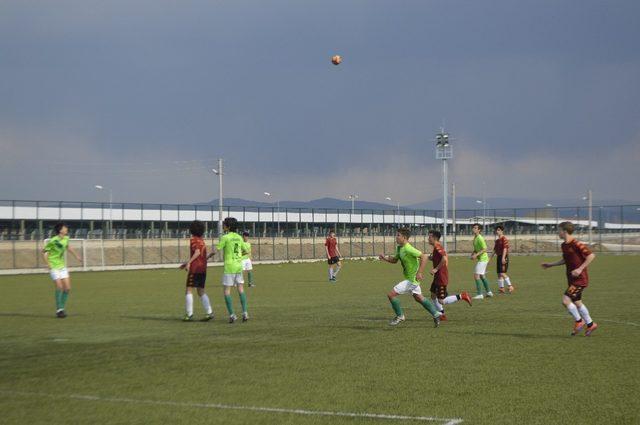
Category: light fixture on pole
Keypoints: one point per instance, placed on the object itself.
(268, 195)
(218, 172)
(353, 198)
(388, 198)
(589, 199)
(444, 152)
(100, 187)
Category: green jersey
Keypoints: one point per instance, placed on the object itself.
(410, 259)
(246, 249)
(55, 249)
(231, 245)
(479, 244)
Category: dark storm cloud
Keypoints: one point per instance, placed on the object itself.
(524, 87)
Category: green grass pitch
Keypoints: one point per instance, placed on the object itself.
(316, 346)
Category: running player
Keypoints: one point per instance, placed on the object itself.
(480, 255)
(501, 249)
(247, 266)
(413, 264)
(440, 272)
(233, 248)
(54, 255)
(576, 256)
(333, 255)
(196, 269)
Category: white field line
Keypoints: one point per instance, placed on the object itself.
(445, 421)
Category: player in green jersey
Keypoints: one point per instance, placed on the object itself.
(233, 248)
(54, 255)
(413, 264)
(247, 265)
(482, 260)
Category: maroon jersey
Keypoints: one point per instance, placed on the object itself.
(500, 245)
(438, 255)
(574, 253)
(332, 247)
(199, 265)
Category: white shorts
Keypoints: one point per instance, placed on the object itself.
(246, 265)
(406, 287)
(232, 279)
(481, 267)
(59, 274)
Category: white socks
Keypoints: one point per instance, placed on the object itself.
(584, 312)
(508, 280)
(330, 272)
(573, 310)
(450, 299)
(206, 304)
(438, 306)
(501, 283)
(189, 304)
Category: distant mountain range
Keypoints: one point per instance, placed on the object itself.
(462, 203)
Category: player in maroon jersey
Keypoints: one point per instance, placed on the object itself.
(333, 255)
(577, 257)
(196, 269)
(440, 272)
(501, 249)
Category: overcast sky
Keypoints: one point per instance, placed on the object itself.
(541, 97)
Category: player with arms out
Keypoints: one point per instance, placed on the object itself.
(440, 272)
(413, 264)
(196, 269)
(54, 255)
(576, 256)
(333, 255)
(247, 266)
(501, 250)
(482, 260)
(233, 248)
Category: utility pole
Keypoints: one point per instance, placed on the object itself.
(444, 152)
(219, 173)
(453, 213)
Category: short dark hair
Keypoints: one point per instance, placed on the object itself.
(196, 228)
(567, 226)
(478, 225)
(331, 231)
(405, 232)
(58, 227)
(500, 226)
(245, 233)
(436, 234)
(230, 223)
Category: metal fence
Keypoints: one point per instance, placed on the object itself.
(147, 234)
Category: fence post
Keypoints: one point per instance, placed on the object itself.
(600, 227)
(621, 229)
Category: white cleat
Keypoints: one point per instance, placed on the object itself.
(479, 297)
(489, 294)
(397, 320)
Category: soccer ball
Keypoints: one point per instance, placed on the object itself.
(336, 60)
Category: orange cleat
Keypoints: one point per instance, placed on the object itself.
(465, 297)
(511, 289)
(577, 327)
(443, 318)
(500, 290)
(590, 329)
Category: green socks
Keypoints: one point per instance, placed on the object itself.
(429, 307)
(479, 286)
(395, 303)
(250, 277)
(63, 299)
(58, 299)
(243, 301)
(486, 284)
(229, 302)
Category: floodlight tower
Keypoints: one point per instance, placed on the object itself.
(218, 172)
(444, 152)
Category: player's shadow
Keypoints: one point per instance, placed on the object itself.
(509, 334)
(32, 315)
(157, 318)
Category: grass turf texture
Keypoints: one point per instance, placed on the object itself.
(316, 345)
